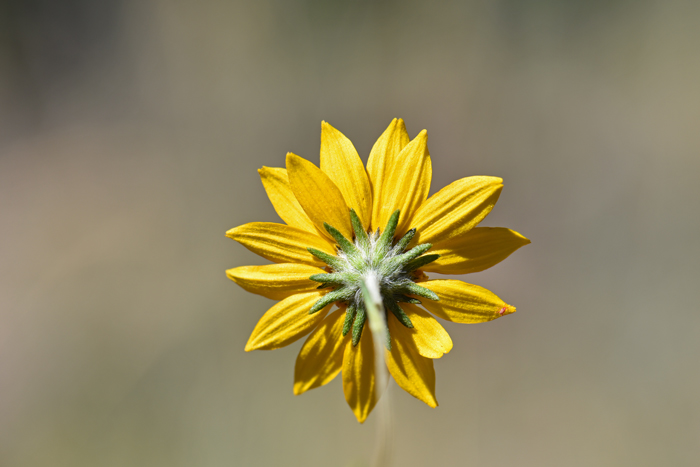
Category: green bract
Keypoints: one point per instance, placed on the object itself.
(374, 254)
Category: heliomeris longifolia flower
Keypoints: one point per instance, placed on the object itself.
(344, 223)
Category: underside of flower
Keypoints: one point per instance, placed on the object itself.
(375, 255)
(363, 238)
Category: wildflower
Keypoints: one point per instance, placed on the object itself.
(344, 224)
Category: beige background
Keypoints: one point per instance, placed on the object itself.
(130, 135)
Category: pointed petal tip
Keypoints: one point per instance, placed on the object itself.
(522, 239)
(507, 310)
(291, 157)
(361, 418)
(491, 179)
(397, 124)
(429, 400)
(231, 233)
(252, 344)
(422, 138)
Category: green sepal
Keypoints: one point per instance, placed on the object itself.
(387, 343)
(324, 286)
(405, 299)
(329, 278)
(394, 307)
(330, 297)
(349, 317)
(415, 252)
(346, 245)
(405, 240)
(360, 232)
(359, 323)
(420, 262)
(387, 236)
(411, 288)
(330, 260)
(404, 258)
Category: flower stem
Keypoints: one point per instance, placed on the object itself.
(377, 324)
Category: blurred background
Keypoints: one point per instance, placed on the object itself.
(130, 135)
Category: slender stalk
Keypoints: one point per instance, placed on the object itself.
(377, 324)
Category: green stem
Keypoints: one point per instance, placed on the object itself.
(377, 323)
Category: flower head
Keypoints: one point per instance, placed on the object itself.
(345, 224)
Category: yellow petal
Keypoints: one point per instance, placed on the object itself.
(342, 164)
(286, 322)
(280, 243)
(321, 357)
(359, 383)
(400, 179)
(464, 303)
(476, 250)
(275, 281)
(412, 372)
(455, 209)
(381, 162)
(428, 336)
(318, 195)
(276, 185)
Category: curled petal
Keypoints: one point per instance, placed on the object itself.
(430, 339)
(476, 250)
(280, 243)
(340, 161)
(411, 371)
(456, 209)
(464, 303)
(321, 357)
(275, 281)
(286, 322)
(276, 184)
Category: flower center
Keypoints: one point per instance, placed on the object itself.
(377, 256)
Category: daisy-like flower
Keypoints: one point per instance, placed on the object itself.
(344, 224)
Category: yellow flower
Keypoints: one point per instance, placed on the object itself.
(343, 222)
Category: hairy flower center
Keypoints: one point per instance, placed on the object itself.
(375, 256)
